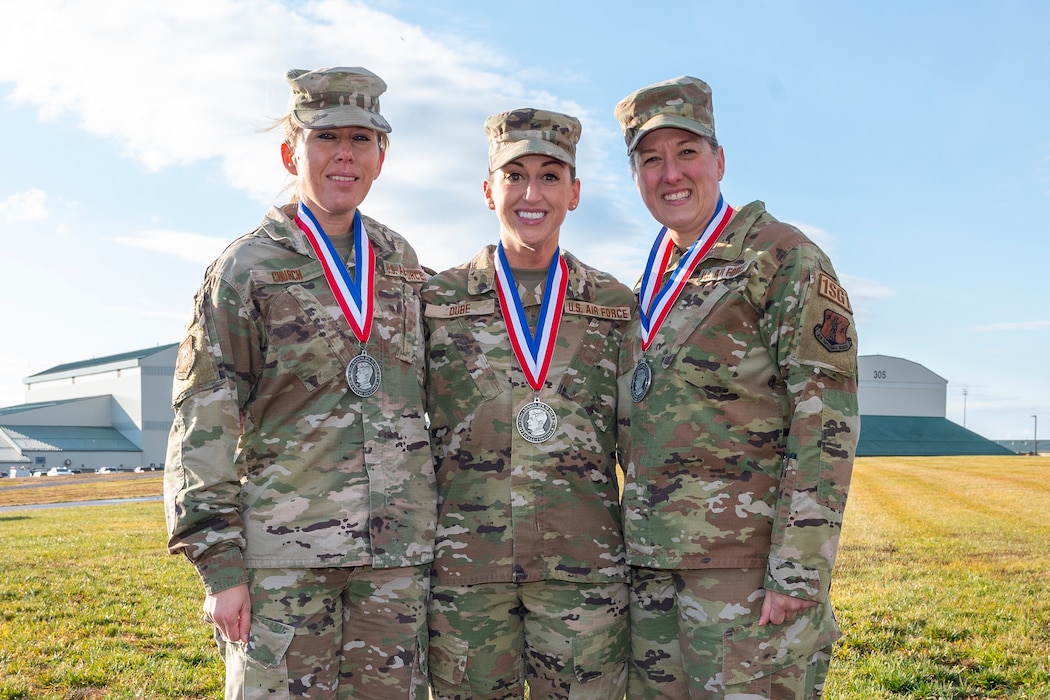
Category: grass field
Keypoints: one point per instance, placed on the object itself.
(942, 588)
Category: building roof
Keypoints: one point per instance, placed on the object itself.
(23, 407)
(56, 438)
(9, 455)
(906, 370)
(101, 361)
(898, 436)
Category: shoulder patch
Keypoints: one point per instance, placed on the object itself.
(828, 288)
(483, 307)
(184, 360)
(412, 274)
(583, 308)
(832, 332)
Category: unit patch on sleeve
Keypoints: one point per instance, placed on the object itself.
(184, 361)
(832, 332)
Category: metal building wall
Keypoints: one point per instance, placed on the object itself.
(893, 386)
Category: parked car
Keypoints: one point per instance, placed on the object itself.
(108, 470)
(59, 471)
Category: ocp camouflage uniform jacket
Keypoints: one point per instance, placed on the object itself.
(740, 454)
(272, 461)
(511, 510)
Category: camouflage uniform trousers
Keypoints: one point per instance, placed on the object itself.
(352, 632)
(566, 640)
(695, 635)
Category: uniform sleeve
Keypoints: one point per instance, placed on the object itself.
(213, 378)
(815, 342)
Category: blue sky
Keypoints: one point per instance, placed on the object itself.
(910, 140)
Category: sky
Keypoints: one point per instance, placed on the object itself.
(909, 140)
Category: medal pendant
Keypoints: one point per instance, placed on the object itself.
(640, 380)
(363, 375)
(537, 421)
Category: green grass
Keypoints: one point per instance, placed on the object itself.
(91, 606)
(941, 584)
(941, 588)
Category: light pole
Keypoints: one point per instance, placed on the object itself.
(1035, 435)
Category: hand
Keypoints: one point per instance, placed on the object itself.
(779, 608)
(231, 611)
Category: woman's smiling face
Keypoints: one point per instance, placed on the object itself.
(678, 175)
(531, 196)
(335, 169)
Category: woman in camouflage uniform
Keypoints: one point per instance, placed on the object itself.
(529, 578)
(739, 425)
(299, 480)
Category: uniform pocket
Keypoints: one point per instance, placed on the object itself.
(257, 669)
(305, 337)
(447, 658)
(590, 378)
(600, 661)
(754, 653)
(409, 347)
(268, 641)
(423, 652)
(461, 377)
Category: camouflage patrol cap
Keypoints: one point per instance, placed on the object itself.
(331, 97)
(681, 103)
(527, 131)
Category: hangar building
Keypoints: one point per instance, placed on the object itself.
(902, 412)
(107, 412)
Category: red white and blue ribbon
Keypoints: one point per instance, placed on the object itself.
(655, 302)
(534, 351)
(354, 295)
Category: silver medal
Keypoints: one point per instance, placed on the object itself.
(640, 380)
(363, 375)
(537, 421)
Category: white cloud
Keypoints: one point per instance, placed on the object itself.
(30, 205)
(186, 246)
(115, 75)
(861, 288)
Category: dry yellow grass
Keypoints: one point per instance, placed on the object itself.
(79, 487)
